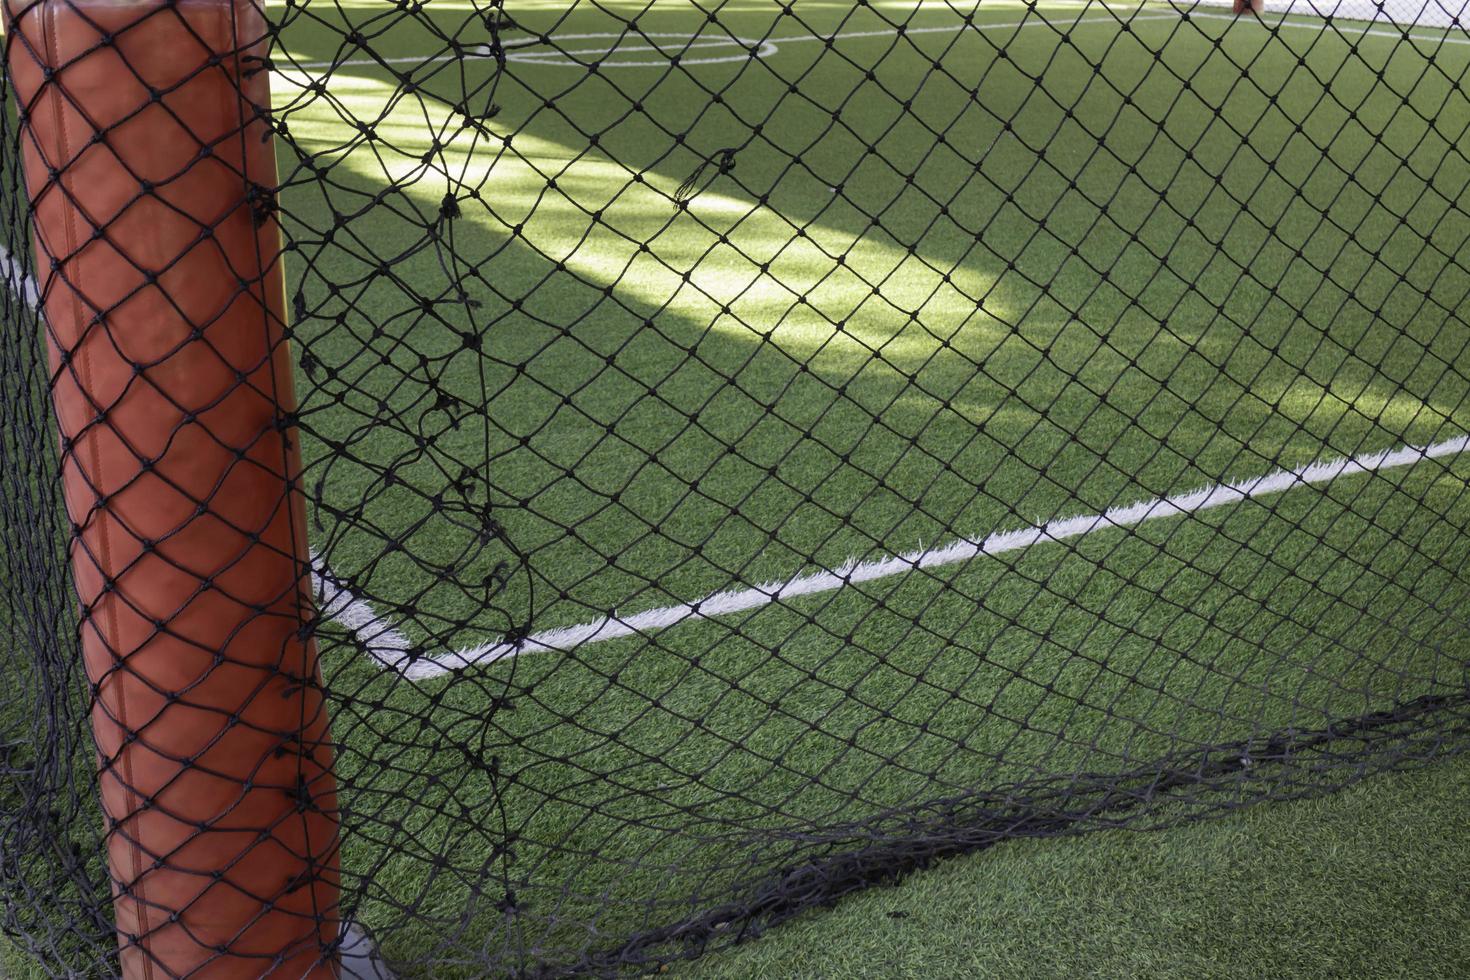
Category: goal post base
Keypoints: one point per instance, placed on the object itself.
(358, 957)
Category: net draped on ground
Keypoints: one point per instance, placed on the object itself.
(752, 451)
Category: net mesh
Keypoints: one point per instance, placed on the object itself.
(751, 451)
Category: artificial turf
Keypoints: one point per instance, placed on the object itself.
(956, 282)
(962, 278)
(1367, 883)
(1106, 266)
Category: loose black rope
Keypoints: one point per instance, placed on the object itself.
(722, 162)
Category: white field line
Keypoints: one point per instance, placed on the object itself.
(17, 280)
(336, 602)
(393, 651)
(767, 46)
(761, 49)
(1437, 36)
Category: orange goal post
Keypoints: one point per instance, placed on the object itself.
(150, 170)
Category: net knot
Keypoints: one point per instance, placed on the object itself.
(262, 201)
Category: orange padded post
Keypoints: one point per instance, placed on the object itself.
(151, 177)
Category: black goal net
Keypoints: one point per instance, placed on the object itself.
(502, 488)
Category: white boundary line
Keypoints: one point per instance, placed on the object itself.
(548, 57)
(336, 602)
(393, 651)
(766, 47)
(567, 59)
(17, 280)
(1348, 29)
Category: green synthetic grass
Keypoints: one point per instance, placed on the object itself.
(1368, 882)
(747, 422)
(1106, 266)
